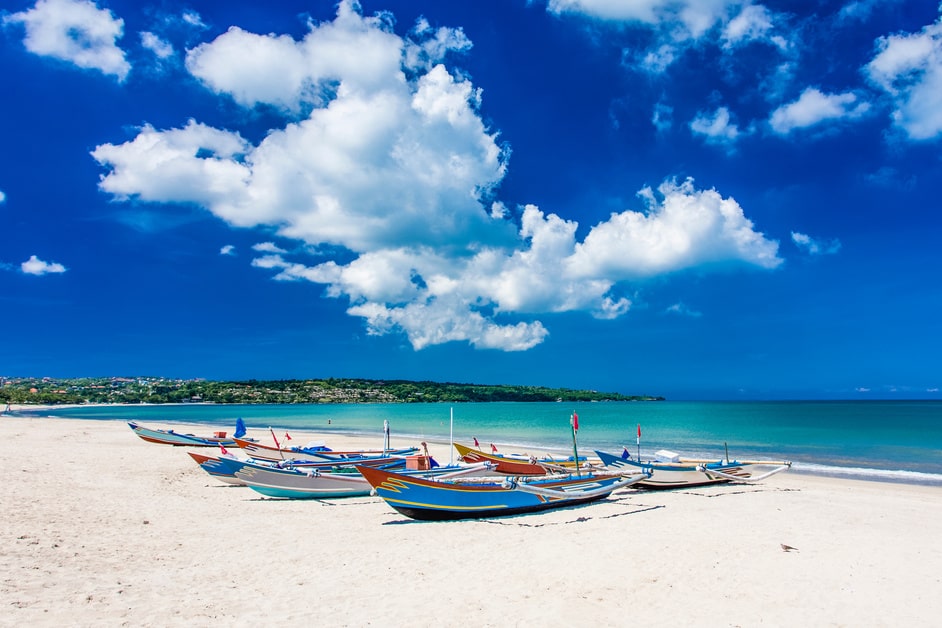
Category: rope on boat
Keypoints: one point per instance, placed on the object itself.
(737, 478)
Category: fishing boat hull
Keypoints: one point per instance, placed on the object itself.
(215, 468)
(671, 475)
(169, 437)
(316, 484)
(277, 454)
(289, 484)
(512, 465)
(430, 500)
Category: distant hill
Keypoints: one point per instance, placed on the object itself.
(48, 390)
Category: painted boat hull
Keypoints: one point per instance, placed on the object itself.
(301, 484)
(276, 454)
(391, 461)
(670, 475)
(429, 500)
(509, 465)
(216, 469)
(296, 485)
(169, 437)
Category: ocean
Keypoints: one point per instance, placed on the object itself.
(879, 440)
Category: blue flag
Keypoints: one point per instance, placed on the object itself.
(240, 428)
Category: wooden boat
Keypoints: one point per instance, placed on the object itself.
(297, 484)
(672, 471)
(170, 437)
(517, 464)
(215, 468)
(435, 500)
(229, 466)
(317, 484)
(319, 453)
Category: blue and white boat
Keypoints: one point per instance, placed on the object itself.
(438, 499)
(669, 470)
(300, 483)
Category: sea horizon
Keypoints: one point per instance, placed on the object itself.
(884, 440)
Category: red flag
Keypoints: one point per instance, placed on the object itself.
(225, 452)
(287, 436)
(493, 448)
(639, 433)
(274, 437)
(575, 421)
(476, 443)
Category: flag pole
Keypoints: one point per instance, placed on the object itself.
(639, 442)
(277, 444)
(451, 435)
(573, 421)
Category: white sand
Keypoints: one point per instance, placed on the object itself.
(98, 527)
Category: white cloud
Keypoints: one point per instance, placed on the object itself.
(228, 249)
(686, 228)
(396, 166)
(194, 19)
(161, 48)
(679, 25)
(861, 10)
(682, 309)
(814, 107)
(3, 197)
(268, 247)
(716, 128)
(663, 117)
(36, 266)
(695, 16)
(76, 31)
(362, 54)
(812, 246)
(908, 67)
(195, 164)
(429, 46)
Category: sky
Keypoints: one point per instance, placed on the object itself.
(700, 199)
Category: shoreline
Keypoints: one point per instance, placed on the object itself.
(889, 476)
(119, 531)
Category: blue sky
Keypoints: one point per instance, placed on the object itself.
(718, 199)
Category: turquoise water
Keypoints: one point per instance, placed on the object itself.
(886, 440)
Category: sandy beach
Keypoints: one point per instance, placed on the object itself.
(101, 528)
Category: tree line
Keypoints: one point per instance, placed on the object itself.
(54, 391)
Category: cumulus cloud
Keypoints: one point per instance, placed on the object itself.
(754, 23)
(695, 16)
(36, 266)
(679, 25)
(908, 67)
(268, 247)
(683, 228)
(812, 246)
(161, 48)
(393, 166)
(716, 128)
(76, 31)
(228, 249)
(814, 107)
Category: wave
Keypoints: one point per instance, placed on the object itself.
(863, 473)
